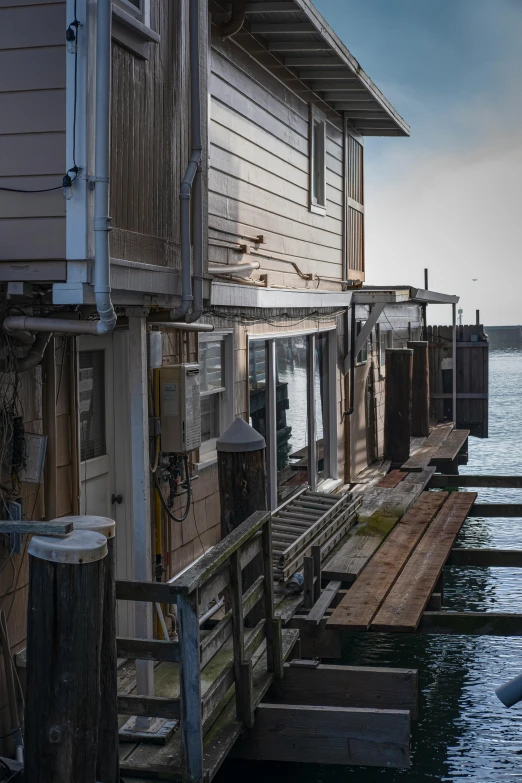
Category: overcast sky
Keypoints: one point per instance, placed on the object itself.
(449, 197)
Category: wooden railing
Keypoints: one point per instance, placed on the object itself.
(217, 573)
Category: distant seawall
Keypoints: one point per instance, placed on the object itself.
(504, 336)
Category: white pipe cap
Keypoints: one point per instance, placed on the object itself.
(240, 436)
(103, 525)
(78, 548)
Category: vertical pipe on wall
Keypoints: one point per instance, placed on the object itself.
(312, 440)
(140, 475)
(50, 402)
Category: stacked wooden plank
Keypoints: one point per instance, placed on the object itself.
(310, 519)
(394, 589)
(440, 449)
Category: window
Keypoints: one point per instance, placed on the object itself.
(354, 188)
(317, 162)
(362, 356)
(139, 9)
(292, 403)
(216, 386)
(385, 341)
(92, 404)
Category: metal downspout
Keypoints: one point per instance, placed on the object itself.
(236, 21)
(192, 179)
(102, 288)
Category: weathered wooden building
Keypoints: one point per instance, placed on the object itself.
(228, 150)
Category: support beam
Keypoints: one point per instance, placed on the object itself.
(496, 510)
(291, 28)
(348, 686)
(141, 523)
(487, 558)
(298, 46)
(312, 62)
(503, 482)
(328, 735)
(367, 327)
(454, 364)
(472, 623)
(273, 7)
(420, 390)
(397, 404)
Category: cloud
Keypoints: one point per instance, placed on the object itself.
(449, 199)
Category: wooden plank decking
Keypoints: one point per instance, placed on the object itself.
(423, 456)
(403, 607)
(362, 602)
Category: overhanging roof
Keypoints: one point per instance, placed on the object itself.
(401, 294)
(295, 30)
(241, 295)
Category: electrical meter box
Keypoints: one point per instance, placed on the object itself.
(180, 408)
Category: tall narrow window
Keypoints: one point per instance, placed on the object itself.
(362, 356)
(317, 162)
(354, 204)
(92, 404)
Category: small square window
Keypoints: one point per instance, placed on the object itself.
(362, 356)
(317, 163)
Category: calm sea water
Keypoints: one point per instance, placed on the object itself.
(463, 733)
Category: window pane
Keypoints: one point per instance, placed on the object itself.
(318, 162)
(92, 404)
(210, 417)
(321, 400)
(291, 415)
(211, 365)
(362, 356)
(257, 384)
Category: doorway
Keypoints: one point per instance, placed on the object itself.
(105, 448)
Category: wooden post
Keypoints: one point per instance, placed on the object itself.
(242, 667)
(316, 555)
(242, 474)
(141, 521)
(397, 404)
(308, 573)
(420, 390)
(107, 763)
(266, 534)
(63, 657)
(190, 689)
(477, 318)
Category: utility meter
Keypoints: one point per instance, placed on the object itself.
(180, 408)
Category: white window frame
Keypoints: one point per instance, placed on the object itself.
(364, 349)
(207, 450)
(140, 12)
(330, 471)
(317, 161)
(385, 341)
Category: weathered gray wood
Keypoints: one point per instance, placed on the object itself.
(420, 390)
(203, 569)
(63, 670)
(236, 598)
(348, 686)
(397, 406)
(149, 706)
(107, 762)
(328, 735)
(308, 589)
(53, 528)
(316, 641)
(504, 482)
(269, 595)
(147, 649)
(190, 689)
(154, 592)
(316, 556)
(487, 558)
(242, 486)
(277, 641)
(472, 623)
(422, 457)
(323, 602)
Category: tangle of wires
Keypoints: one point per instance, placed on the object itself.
(7, 774)
(282, 320)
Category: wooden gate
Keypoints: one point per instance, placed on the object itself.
(472, 377)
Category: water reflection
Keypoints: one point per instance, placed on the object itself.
(463, 733)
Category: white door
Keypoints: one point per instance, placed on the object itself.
(104, 447)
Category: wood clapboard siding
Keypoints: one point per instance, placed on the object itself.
(150, 138)
(259, 171)
(32, 129)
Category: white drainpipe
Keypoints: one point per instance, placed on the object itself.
(102, 287)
